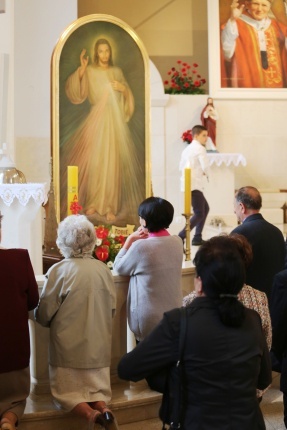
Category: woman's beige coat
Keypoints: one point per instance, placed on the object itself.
(77, 303)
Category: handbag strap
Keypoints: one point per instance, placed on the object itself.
(176, 387)
(175, 424)
(183, 325)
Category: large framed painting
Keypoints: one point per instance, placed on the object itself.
(247, 49)
(100, 119)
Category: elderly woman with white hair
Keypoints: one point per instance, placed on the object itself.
(77, 303)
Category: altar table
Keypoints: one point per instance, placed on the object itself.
(22, 224)
(219, 191)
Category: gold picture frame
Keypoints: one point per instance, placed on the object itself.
(101, 122)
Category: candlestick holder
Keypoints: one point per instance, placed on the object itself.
(187, 237)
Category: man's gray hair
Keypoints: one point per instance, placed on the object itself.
(250, 197)
(76, 236)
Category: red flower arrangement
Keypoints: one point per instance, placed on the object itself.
(184, 80)
(187, 136)
(107, 245)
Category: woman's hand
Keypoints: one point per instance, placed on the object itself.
(140, 233)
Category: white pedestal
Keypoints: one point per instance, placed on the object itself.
(21, 205)
(219, 191)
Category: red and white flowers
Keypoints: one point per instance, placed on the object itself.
(108, 244)
(184, 79)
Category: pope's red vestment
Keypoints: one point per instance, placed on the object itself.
(245, 69)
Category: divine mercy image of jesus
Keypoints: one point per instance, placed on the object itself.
(99, 139)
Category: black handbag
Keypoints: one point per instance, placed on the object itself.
(171, 406)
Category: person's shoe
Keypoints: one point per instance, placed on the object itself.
(95, 419)
(112, 425)
(6, 425)
(197, 242)
(102, 407)
(106, 418)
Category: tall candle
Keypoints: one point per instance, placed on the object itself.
(187, 190)
(72, 182)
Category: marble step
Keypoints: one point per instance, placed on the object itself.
(131, 403)
(152, 424)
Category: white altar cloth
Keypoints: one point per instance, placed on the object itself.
(228, 159)
(22, 225)
(219, 191)
(23, 193)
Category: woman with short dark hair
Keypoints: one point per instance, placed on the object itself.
(157, 213)
(153, 260)
(225, 356)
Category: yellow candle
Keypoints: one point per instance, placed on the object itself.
(187, 190)
(72, 182)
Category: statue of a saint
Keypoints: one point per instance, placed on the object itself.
(209, 116)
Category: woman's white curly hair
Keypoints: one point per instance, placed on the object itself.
(76, 236)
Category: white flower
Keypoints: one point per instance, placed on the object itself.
(98, 242)
(110, 264)
(112, 235)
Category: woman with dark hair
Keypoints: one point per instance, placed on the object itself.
(225, 354)
(250, 297)
(19, 294)
(153, 260)
(78, 302)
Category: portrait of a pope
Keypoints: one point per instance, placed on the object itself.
(253, 42)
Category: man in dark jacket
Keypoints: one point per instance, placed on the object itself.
(267, 241)
(278, 312)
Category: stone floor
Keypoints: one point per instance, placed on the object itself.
(272, 406)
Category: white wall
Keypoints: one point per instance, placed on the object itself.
(7, 76)
(5, 33)
(256, 128)
(37, 27)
